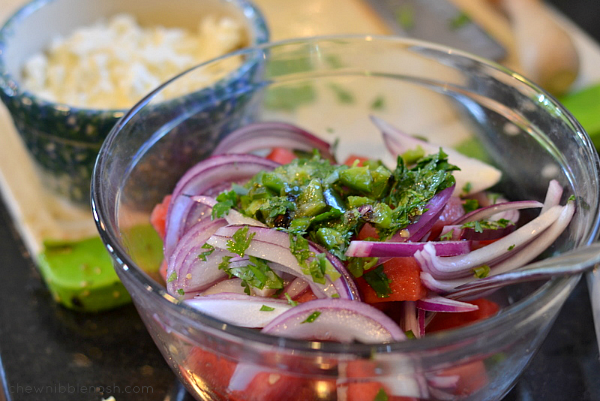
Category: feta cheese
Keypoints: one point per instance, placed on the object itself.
(114, 63)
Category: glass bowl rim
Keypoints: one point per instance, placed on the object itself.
(524, 308)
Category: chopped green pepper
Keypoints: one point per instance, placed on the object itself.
(358, 178)
(311, 200)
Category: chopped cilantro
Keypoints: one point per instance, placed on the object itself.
(378, 281)
(572, 198)
(180, 291)
(210, 250)
(470, 204)
(312, 199)
(172, 277)
(411, 189)
(510, 248)
(479, 225)
(316, 269)
(447, 236)
(410, 335)
(411, 156)
(240, 241)
(299, 248)
(290, 300)
(312, 317)
(266, 308)
(503, 223)
(254, 274)
(482, 271)
(357, 266)
(493, 197)
(224, 265)
(225, 201)
(467, 188)
(381, 395)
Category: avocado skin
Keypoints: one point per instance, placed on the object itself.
(80, 274)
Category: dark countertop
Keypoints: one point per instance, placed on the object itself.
(48, 352)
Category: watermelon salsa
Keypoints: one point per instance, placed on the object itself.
(299, 245)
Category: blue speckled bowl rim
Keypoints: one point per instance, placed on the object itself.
(11, 89)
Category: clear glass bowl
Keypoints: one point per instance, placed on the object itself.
(331, 86)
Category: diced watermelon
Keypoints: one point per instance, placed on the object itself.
(367, 232)
(451, 212)
(214, 371)
(158, 216)
(405, 282)
(163, 270)
(446, 320)
(472, 376)
(306, 296)
(350, 160)
(281, 155)
(364, 388)
(276, 386)
(480, 244)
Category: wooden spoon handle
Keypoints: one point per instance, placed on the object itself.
(547, 54)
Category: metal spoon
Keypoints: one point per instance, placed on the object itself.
(577, 261)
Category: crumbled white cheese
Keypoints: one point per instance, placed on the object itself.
(114, 63)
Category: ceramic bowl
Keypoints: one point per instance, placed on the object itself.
(64, 139)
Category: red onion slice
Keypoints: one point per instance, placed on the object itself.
(422, 321)
(553, 195)
(461, 266)
(297, 287)
(268, 135)
(338, 320)
(436, 303)
(516, 260)
(539, 244)
(240, 309)
(522, 257)
(231, 285)
(403, 379)
(274, 245)
(410, 319)
(186, 272)
(477, 174)
(442, 286)
(200, 179)
(366, 249)
(232, 217)
(446, 382)
(489, 211)
(433, 210)
(459, 233)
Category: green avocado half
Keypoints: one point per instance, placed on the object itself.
(80, 274)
